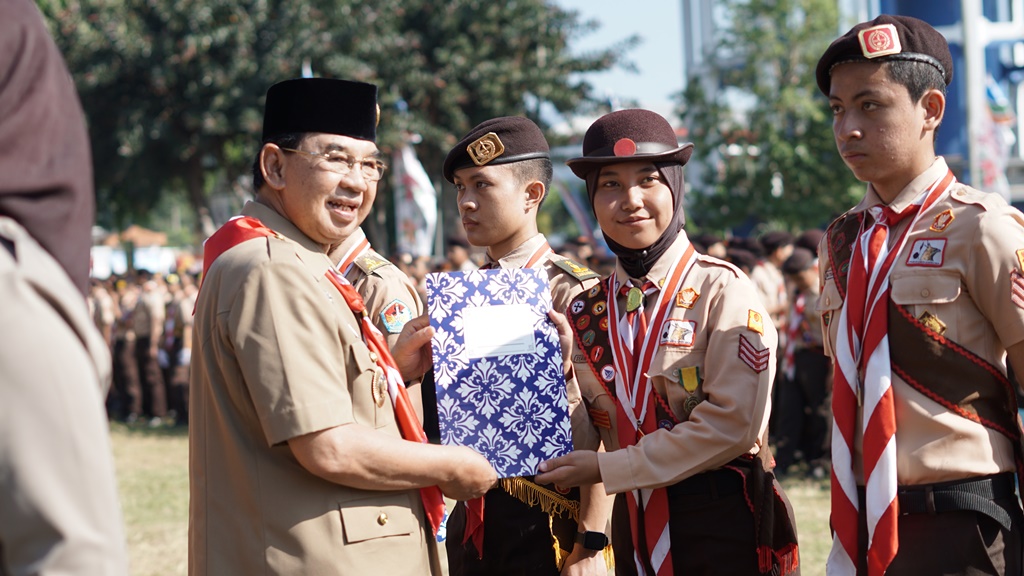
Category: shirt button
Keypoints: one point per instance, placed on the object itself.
(926, 292)
(382, 519)
(373, 356)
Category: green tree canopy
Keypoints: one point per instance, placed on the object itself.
(763, 131)
(173, 89)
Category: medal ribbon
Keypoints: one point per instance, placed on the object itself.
(862, 347)
(635, 417)
(408, 424)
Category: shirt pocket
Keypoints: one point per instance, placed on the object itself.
(370, 399)
(672, 370)
(930, 296)
(382, 516)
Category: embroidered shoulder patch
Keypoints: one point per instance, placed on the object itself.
(1017, 288)
(576, 270)
(600, 418)
(755, 323)
(395, 315)
(751, 356)
(927, 252)
(1020, 259)
(371, 262)
(678, 333)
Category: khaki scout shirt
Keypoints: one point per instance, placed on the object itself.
(732, 418)
(385, 289)
(963, 280)
(564, 287)
(59, 510)
(278, 354)
(771, 287)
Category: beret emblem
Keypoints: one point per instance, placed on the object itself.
(881, 40)
(624, 147)
(485, 148)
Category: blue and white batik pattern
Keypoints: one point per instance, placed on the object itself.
(510, 408)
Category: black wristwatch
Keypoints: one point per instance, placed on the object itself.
(592, 540)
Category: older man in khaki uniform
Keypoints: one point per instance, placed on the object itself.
(502, 170)
(923, 302)
(305, 456)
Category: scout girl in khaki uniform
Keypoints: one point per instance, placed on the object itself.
(675, 356)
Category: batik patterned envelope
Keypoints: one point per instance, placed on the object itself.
(498, 367)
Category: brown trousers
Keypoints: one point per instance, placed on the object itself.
(711, 527)
(962, 542)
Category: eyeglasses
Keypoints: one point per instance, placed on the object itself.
(372, 169)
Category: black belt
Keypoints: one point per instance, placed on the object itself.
(715, 483)
(976, 494)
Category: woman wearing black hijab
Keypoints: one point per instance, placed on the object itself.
(677, 357)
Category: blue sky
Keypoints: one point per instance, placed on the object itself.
(659, 57)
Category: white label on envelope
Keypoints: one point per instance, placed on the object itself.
(499, 330)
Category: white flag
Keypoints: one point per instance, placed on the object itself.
(415, 204)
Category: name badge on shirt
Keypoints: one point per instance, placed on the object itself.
(678, 332)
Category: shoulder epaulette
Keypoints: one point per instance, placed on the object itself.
(576, 270)
(371, 261)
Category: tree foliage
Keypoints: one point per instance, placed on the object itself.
(772, 162)
(173, 89)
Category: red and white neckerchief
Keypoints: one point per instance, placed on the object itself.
(360, 247)
(474, 529)
(408, 423)
(862, 348)
(635, 417)
(793, 327)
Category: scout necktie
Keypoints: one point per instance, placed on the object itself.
(408, 424)
(863, 377)
(475, 508)
(634, 395)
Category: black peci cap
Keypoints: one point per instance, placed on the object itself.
(497, 141)
(323, 105)
(884, 39)
(775, 239)
(628, 135)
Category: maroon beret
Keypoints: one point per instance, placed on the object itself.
(497, 141)
(628, 135)
(323, 105)
(884, 39)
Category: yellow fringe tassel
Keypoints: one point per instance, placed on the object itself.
(550, 502)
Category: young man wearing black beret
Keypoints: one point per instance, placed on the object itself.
(502, 171)
(922, 303)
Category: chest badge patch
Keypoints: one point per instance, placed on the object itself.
(751, 356)
(678, 333)
(927, 252)
(395, 315)
(755, 323)
(942, 221)
(932, 322)
(608, 373)
(686, 298)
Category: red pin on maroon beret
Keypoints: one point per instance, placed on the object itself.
(627, 135)
(884, 39)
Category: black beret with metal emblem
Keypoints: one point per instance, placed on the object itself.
(497, 141)
(627, 135)
(883, 39)
(324, 105)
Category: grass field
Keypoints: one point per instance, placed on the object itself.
(152, 467)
